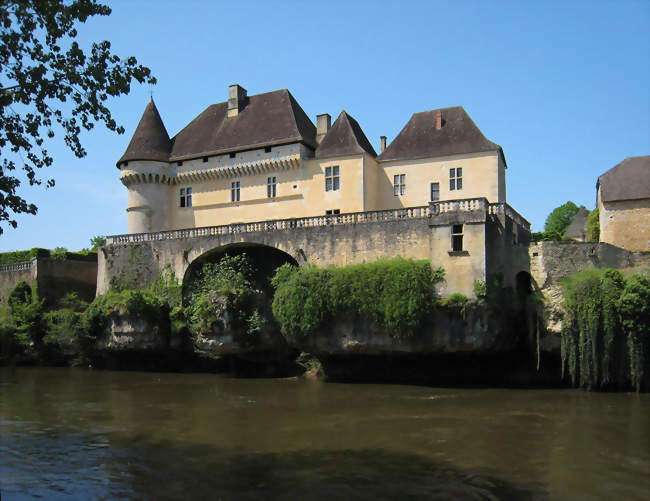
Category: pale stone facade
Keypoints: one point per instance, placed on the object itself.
(259, 159)
(259, 182)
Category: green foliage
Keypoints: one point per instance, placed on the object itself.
(546, 236)
(593, 226)
(395, 293)
(457, 299)
(560, 218)
(49, 83)
(96, 242)
(59, 253)
(634, 308)
(256, 322)
(604, 312)
(480, 289)
(224, 292)
(167, 288)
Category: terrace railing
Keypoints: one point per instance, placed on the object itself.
(421, 212)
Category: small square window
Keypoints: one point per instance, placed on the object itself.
(271, 186)
(456, 179)
(399, 184)
(205, 159)
(268, 149)
(332, 179)
(235, 187)
(435, 192)
(232, 155)
(457, 237)
(179, 163)
(186, 197)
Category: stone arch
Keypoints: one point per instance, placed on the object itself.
(157, 179)
(150, 180)
(524, 284)
(264, 258)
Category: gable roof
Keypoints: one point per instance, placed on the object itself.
(345, 137)
(577, 227)
(267, 119)
(420, 139)
(150, 140)
(628, 180)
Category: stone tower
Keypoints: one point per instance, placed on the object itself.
(146, 172)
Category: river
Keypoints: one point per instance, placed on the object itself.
(83, 434)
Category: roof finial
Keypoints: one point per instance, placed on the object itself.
(150, 92)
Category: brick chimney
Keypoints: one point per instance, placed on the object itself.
(383, 143)
(439, 120)
(323, 124)
(237, 99)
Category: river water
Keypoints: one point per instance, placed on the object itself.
(80, 434)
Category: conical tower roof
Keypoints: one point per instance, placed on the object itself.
(344, 138)
(150, 140)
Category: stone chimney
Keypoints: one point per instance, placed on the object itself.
(383, 143)
(439, 120)
(237, 99)
(323, 124)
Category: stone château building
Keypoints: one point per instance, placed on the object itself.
(247, 167)
(260, 157)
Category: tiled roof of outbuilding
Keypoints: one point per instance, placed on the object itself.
(420, 139)
(345, 137)
(577, 227)
(150, 140)
(629, 180)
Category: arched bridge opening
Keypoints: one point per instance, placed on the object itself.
(263, 261)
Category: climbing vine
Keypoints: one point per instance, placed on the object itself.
(604, 314)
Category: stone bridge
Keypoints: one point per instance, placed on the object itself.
(136, 260)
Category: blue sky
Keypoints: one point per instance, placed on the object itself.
(563, 87)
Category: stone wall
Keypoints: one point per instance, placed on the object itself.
(11, 274)
(626, 224)
(54, 278)
(550, 262)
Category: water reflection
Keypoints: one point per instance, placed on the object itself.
(125, 435)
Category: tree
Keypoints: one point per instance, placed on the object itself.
(47, 84)
(593, 226)
(561, 217)
(97, 241)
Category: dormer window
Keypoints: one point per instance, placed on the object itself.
(186, 197)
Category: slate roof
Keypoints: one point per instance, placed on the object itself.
(267, 119)
(150, 140)
(345, 137)
(577, 227)
(629, 180)
(420, 139)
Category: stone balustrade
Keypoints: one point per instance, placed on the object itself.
(433, 209)
(21, 266)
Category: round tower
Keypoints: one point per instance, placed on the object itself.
(146, 172)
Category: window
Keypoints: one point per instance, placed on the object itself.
(179, 163)
(332, 182)
(205, 159)
(234, 191)
(268, 149)
(457, 237)
(124, 164)
(399, 184)
(232, 155)
(456, 179)
(435, 192)
(271, 186)
(186, 197)
(332, 212)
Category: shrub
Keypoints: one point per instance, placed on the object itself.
(480, 289)
(395, 293)
(592, 226)
(634, 310)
